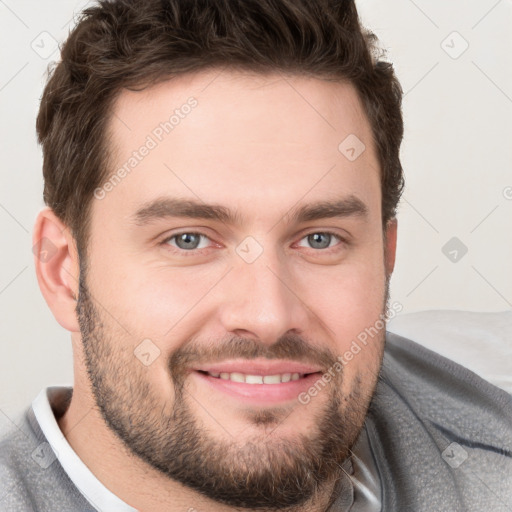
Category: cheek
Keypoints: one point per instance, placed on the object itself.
(348, 298)
(350, 301)
(156, 301)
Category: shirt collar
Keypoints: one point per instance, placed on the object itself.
(93, 490)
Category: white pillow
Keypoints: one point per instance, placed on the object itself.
(482, 342)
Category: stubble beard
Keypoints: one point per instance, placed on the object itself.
(267, 473)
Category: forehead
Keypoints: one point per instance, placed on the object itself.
(242, 106)
(243, 139)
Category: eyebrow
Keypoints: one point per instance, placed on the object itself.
(161, 208)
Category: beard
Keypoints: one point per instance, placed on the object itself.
(267, 472)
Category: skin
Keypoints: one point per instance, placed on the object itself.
(252, 144)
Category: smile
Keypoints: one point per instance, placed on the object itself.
(260, 390)
(257, 379)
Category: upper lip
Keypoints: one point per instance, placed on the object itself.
(259, 367)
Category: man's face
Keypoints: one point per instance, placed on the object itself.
(172, 299)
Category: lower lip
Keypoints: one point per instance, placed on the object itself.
(261, 393)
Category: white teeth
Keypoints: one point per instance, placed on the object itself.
(257, 379)
(254, 379)
(272, 379)
(238, 377)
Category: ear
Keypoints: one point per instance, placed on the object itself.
(390, 237)
(57, 267)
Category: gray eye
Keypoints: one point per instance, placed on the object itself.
(188, 240)
(319, 240)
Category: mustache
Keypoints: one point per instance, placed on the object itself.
(290, 346)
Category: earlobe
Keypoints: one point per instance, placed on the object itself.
(57, 267)
(390, 245)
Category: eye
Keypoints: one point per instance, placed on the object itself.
(190, 241)
(322, 239)
(186, 241)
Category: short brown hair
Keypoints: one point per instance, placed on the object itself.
(136, 43)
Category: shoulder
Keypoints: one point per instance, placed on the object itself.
(442, 436)
(16, 443)
(441, 389)
(31, 477)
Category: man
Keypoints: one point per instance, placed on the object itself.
(222, 180)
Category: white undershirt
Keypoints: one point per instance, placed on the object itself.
(365, 478)
(93, 490)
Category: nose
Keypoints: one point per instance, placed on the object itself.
(262, 300)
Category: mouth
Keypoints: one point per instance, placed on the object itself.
(278, 378)
(260, 382)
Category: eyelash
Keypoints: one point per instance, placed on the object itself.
(194, 252)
